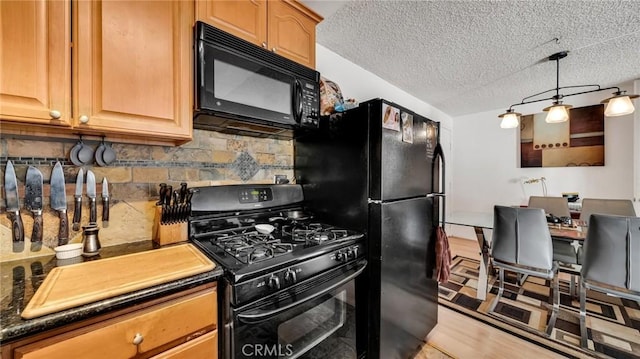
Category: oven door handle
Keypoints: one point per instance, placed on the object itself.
(260, 315)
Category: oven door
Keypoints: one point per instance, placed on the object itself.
(315, 319)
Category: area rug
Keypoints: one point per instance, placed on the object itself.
(613, 323)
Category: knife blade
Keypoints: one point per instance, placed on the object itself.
(33, 202)
(91, 193)
(77, 208)
(59, 202)
(105, 203)
(13, 207)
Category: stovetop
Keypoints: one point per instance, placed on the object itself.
(233, 241)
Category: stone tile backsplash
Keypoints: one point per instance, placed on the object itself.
(212, 158)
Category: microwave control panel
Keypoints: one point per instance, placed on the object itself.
(310, 103)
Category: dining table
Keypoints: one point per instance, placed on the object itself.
(482, 224)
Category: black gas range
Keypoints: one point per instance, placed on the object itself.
(285, 270)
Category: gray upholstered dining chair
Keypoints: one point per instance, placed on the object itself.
(619, 207)
(521, 243)
(563, 251)
(611, 262)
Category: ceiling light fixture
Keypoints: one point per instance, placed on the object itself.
(618, 105)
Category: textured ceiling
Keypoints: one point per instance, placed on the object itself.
(471, 56)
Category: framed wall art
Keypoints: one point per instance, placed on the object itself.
(577, 142)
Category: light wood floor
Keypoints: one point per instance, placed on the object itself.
(464, 337)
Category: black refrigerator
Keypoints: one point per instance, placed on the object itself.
(376, 168)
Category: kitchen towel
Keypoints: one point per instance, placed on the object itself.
(443, 256)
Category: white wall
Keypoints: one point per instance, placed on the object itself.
(485, 162)
(360, 84)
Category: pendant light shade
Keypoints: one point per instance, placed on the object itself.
(619, 105)
(509, 119)
(557, 113)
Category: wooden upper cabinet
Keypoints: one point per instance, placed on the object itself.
(285, 27)
(292, 31)
(35, 62)
(246, 19)
(132, 67)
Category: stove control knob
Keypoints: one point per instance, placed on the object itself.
(290, 277)
(355, 251)
(339, 256)
(350, 254)
(273, 282)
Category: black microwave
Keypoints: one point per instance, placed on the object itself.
(244, 89)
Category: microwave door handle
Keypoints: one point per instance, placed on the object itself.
(261, 315)
(201, 59)
(297, 106)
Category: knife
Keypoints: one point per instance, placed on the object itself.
(91, 193)
(77, 209)
(13, 207)
(168, 191)
(183, 192)
(105, 203)
(59, 202)
(33, 202)
(161, 192)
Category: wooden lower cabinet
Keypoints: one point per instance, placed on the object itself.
(205, 346)
(183, 327)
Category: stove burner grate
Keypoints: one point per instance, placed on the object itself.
(251, 247)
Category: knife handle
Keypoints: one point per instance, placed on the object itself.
(77, 213)
(168, 193)
(161, 192)
(105, 212)
(92, 211)
(17, 228)
(63, 233)
(36, 235)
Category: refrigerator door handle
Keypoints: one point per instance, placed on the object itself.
(439, 154)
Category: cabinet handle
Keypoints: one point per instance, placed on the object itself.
(55, 114)
(264, 44)
(137, 339)
(84, 118)
(273, 50)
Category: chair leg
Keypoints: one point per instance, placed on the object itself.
(500, 290)
(583, 315)
(522, 278)
(556, 304)
(572, 286)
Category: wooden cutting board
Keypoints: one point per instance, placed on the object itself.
(78, 284)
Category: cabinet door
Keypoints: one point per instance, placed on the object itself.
(35, 62)
(205, 346)
(133, 67)
(292, 31)
(246, 19)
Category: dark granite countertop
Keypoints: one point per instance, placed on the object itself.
(20, 279)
